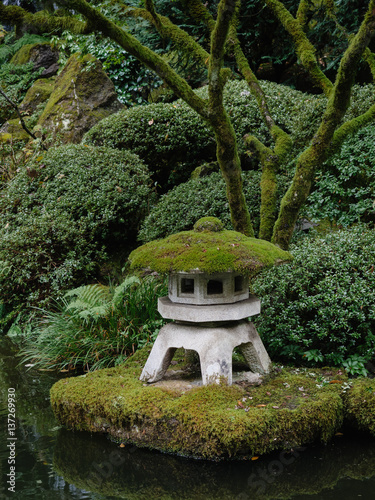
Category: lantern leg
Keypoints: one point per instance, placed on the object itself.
(158, 361)
(254, 352)
(214, 346)
(216, 364)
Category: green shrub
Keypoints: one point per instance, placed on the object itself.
(344, 191)
(180, 208)
(97, 327)
(62, 214)
(323, 301)
(165, 136)
(172, 139)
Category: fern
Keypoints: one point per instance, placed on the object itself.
(97, 326)
(6, 53)
(92, 301)
(10, 47)
(95, 302)
(122, 290)
(27, 39)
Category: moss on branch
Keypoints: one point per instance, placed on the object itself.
(219, 36)
(304, 9)
(230, 166)
(370, 59)
(304, 49)
(321, 146)
(351, 127)
(169, 30)
(227, 151)
(200, 13)
(268, 185)
(42, 21)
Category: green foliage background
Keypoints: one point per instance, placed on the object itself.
(180, 208)
(344, 192)
(323, 300)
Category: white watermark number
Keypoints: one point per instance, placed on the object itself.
(11, 445)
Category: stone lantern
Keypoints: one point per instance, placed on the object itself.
(208, 298)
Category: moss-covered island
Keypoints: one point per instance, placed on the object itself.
(210, 249)
(293, 407)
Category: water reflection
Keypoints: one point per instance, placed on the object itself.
(53, 463)
(139, 474)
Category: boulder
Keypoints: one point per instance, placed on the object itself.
(82, 96)
(12, 130)
(37, 96)
(43, 55)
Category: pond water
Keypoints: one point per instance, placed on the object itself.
(53, 463)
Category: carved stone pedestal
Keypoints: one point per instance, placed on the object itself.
(214, 345)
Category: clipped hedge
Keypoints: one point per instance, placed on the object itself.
(323, 301)
(180, 208)
(62, 215)
(165, 136)
(172, 139)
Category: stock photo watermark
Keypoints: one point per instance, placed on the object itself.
(105, 469)
(11, 440)
(266, 475)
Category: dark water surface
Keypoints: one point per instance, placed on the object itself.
(53, 463)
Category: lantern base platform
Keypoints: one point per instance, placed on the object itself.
(214, 346)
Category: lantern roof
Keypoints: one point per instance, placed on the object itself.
(208, 248)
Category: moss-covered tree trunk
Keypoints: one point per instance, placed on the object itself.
(226, 141)
(230, 166)
(329, 130)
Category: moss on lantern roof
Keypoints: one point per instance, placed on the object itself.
(210, 249)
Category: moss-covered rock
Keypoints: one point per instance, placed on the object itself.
(210, 249)
(42, 55)
(360, 404)
(23, 55)
(213, 422)
(31, 108)
(38, 94)
(82, 96)
(12, 130)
